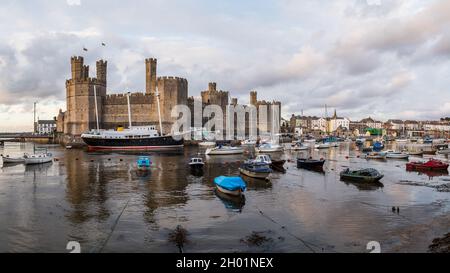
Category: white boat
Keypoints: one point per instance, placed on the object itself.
(298, 146)
(248, 142)
(269, 148)
(11, 160)
(207, 144)
(397, 155)
(312, 140)
(38, 158)
(196, 163)
(401, 140)
(376, 155)
(360, 140)
(322, 146)
(224, 150)
(444, 151)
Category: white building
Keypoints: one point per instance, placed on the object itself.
(46, 127)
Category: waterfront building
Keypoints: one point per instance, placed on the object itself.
(46, 127)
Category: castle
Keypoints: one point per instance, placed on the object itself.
(83, 91)
(112, 109)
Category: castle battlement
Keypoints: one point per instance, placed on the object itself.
(91, 81)
(167, 78)
(135, 98)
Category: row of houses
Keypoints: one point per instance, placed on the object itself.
(343, 126)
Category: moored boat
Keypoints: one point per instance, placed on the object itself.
(12, 160)
(298, 146)
(196, 163)
(415, 153)
(269, 148)
(134, 138)
(396, 155)
(144, 163)
(224, 150)
(432, 164)
(232, 185)
(443, 151)
(207, 144)
(376, 155)
(248, 142)
(309, 163)
(38, 158)
(322, 146)
(255, 169)
(363, 175)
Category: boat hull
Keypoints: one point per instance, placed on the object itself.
(12, 160)
(225, 152)
(237, 192)
(314, 164)
(362, 179)
(260, 175)
(33, 161)
(154, 143)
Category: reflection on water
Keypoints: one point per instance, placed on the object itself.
(105, 203)
(235, 203)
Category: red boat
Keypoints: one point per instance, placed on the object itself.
(431, 164)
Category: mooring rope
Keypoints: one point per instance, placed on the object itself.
(305, 243)
(114, 225)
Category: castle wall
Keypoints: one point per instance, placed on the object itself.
(142, 106)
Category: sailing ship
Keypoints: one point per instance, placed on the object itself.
(133, 138)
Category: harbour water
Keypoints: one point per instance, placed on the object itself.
(101, 201)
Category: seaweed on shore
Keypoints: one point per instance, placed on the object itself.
(255, 239)
(179, 237)
(440, 245)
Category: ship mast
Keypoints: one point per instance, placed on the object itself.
(129, 110)
(159, 111)
(96, 109)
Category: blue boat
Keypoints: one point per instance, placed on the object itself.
(378, 146)
(144, 163)
(255, 169)
(233, 185)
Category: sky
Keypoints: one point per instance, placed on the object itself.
(378, 58)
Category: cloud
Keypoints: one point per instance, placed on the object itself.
(359, 57)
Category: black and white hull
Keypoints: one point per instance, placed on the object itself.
(138, 138)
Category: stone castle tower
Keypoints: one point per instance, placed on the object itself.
(80, 115)
(150, 75)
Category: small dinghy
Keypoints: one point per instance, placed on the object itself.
(298, 146)
(12, 160)
(224, 150)
(415, 153)
(396, 155)
(144, 163)
(322, 146)
(432, 164)
(248, 142)
(443, 151)
(38, 158)
(376, 155)
(255, 169)
(232, 185)
(196, 163)
(309, 163)
(276, 165)
(363, 175)
(207, 144)
(269, 148)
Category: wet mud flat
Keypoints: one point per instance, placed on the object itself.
(103, 202)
